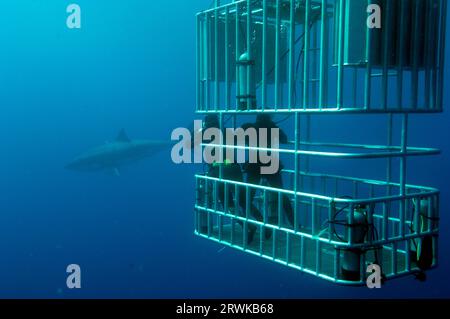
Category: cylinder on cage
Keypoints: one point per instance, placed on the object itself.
(351, 266)
(425, 220)
(247, 86)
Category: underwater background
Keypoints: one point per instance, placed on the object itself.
(132, 66)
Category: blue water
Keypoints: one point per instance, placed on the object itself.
(132, 66)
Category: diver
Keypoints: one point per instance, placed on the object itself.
(253, 170)
(230, 171)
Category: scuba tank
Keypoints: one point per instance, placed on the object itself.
(247, 88)
(422, 248)
(351, 267)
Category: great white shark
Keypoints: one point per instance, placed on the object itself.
(111, 156)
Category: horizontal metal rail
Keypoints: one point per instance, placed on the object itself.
(426, 192)
(324, 110)
(340, 244)
(411, 151)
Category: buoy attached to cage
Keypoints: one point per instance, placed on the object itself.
(351, 266)
(422, 248)
(247, 89)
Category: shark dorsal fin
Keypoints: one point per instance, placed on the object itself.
(123, 137)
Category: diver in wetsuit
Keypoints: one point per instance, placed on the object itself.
(230, 171)
(253, 170)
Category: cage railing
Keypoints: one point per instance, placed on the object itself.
(361, 151)
(320, 56)
(314, 210)
(309, 247)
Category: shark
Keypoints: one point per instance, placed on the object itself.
(111, 156)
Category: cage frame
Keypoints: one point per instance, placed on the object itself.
(432, 89)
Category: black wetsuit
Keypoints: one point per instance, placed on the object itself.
(253, 170)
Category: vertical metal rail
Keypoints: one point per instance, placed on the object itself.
(216, 57)
(308, 140)
(265, 206)
(226, 199)
(318, 257)
(288, 248)
(296, 168)
(274, 244)
(208, 214)
(400, 54)
(250, 55)
(279, 209)
(198, 70)
(291, 56)
(440, 94)
(437, 208)
(314, 76)
(247, 216)
(264, 58)
(238, 50)
(207, 62)
(233, 219)
(355, 87)
(277, 54)
(435, 54)
(416, 218)
(221, 176)
(408, 250)
(215, 197)
(216, 206)
(403, 170)
(368, 77)
(247, 202)
(435, 240)
(264, 228)
(427, 53)
(323, 56)
(340, 76)
(337, 263)
(227, 60)
(315, 224)
(197, 201)
(389, 160)
(415, 62)
(331, 209)
(386, 50)
(306, 50)
(386, 205)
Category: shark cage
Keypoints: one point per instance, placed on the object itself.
(340, 82)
